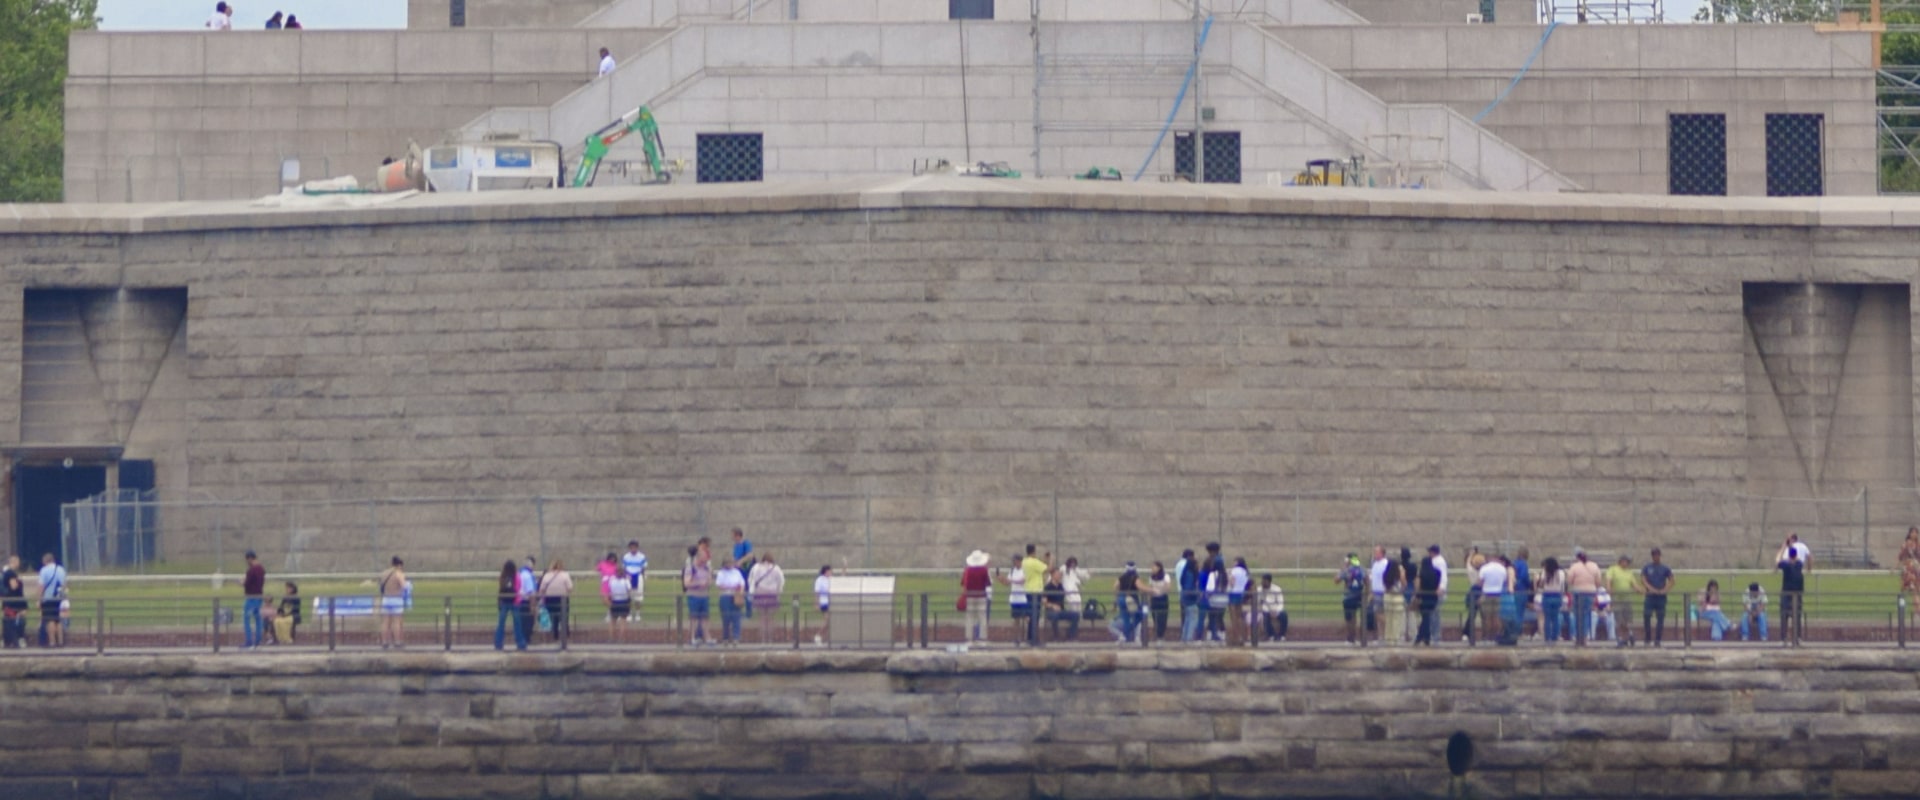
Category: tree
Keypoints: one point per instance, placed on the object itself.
(1899, 97)
(33, 76)
(1766, 11)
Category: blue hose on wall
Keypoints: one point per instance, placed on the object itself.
(1542, 45)
(1177, 100)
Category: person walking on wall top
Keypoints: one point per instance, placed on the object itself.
(222, 19)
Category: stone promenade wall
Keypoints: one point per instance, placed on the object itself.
(961, 348)
(1309, 723)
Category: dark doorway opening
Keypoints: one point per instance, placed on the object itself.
(38, 491)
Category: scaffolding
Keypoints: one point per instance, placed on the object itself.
(1602, 12)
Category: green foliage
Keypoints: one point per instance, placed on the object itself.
(33, 74)
(1765, 11)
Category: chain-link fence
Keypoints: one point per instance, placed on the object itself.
(1283, 529)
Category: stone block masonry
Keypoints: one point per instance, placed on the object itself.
(1061, 724)
(948, 343)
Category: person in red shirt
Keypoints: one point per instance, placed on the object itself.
(255, 588)
(975, 582)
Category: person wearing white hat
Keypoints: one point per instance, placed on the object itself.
(975, 582)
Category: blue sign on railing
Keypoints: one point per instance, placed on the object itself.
(362, 606)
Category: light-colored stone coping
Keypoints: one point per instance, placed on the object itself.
(939, 662)
(970, 193)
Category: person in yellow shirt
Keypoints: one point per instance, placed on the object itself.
(1034, 570)
(1622, 582)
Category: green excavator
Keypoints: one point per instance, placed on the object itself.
(639, 120)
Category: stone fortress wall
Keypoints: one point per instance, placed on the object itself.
(962, 348)
(981, 726)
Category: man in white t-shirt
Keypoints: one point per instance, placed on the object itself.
(222, 19)
(1493, 589)
(635, 564)
(1440, 597)
(1799, 548)
(1377, 584)
(606, 61)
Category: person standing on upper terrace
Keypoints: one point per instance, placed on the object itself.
(1583, 583)
(1910, 568)
(222, 19)
(606, 61)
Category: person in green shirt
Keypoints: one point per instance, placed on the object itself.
(1622, 582)
(1035, 571)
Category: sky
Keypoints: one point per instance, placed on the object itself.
(164, 15)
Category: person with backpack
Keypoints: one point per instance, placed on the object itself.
(1353, 581)
(392, 605)
(53, 589)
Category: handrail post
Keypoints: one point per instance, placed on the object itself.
(1900, 618)
(100, 624)
(333, 623)
(564, 625)
(923, 620)
(796, 623)
(449, 625)
(216, 624)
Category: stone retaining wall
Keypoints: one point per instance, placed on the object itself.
(996, 724)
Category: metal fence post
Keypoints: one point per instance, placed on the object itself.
(373, 529)
(796, 623)
(923, 620)
(449, 625)
(333, 624)
(1686, 620)
(99, 626)
(1900, 619)
(1056, 521)
(216, 624)
(540, 519)
(139, 541)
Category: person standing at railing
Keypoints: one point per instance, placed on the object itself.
(1440, 595)
(1352, 581)
(1128, 611)
(1910, 570)
(1036, 571)
(822, 593)
(1552, 586)
(1377, 598)
(1794, 546)
(1214, 581)
(1186, 575)
(506, 600)
(619, 595)
(975, 580)
(1493, 592)
(765, 582)
(53, 589)
(1583, 583)
(1015, 579)
(1656, 580)
(1622, 582)
(1755, 613)
(556, 593)
(1475, 560)
(1159, 587)
(392, 606)
(1239, 580)
(635, 563)
(13, 603)
(254, 587)
(1428, 580)
(1793, 585)
(743, 558)
(695, 580)
(1393, 607)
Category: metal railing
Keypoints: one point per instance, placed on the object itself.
(1280, 528)
(1308, 617)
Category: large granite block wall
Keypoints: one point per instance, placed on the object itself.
(961, 352)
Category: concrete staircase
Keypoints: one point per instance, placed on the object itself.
(1450, 149)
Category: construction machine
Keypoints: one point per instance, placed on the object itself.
(639, 120)
(1350, 171)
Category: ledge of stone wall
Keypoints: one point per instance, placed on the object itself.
(967, 193)
(1014, 724)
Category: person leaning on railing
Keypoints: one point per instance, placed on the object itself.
(1910, 569)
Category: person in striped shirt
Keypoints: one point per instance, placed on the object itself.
(635, 563)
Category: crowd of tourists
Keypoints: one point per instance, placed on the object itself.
(1204, 597)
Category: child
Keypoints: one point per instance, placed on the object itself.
(1602, 604)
